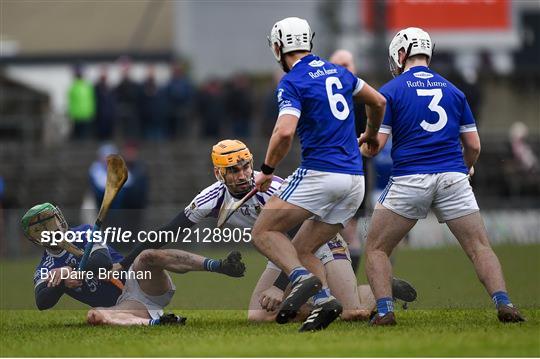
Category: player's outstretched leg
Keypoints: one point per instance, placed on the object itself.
(179, 261)
(128, 313)
(471, 234)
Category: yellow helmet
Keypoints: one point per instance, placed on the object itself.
(229, 153)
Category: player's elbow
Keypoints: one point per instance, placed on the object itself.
(381, 102)
(149, 258)
(471, 143)
(100, 258)
(284, 133)
(378, 102)
(43, 305)
(474, 148)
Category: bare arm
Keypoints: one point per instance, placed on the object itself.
(47, 297)
(281, 140)
(180, 221)
(375, 106)
(471, 147)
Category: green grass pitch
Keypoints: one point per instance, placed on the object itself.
(452, 317)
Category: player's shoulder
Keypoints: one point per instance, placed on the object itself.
(50, 260)
(211, 194)
(388, 89)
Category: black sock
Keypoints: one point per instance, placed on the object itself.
(355, 261)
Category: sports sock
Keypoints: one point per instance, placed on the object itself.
(321, 296)
(153, 321)
(501, 298)
(384, 306)
(298, 274)
(212, 265)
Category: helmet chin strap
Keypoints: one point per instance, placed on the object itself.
(284, 66)
(282, 61)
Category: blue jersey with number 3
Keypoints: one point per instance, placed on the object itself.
(425, 114)
(320, 94)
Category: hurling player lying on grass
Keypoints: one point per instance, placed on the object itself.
(137, 298)
(233, 169)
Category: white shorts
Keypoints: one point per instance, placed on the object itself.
(332, 197)
(449, 194)
(335, 249)
(153, 303)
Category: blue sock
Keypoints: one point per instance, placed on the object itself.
(385, 305)
(501, 298)
(297, 274)
(211, 265)
(321, 296)
(153, 321)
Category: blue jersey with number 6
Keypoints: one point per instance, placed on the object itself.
(320, 94)
(425, 114)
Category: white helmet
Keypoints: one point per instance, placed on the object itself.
(290, 34)
(414, 41)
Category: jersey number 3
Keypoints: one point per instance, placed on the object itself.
(434, 106)
(335, 98)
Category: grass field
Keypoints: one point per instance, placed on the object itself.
(452, 317)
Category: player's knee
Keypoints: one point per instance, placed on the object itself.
(259, 316)
(373, 244)
(149, 258)
(257, 236)
(96, 317)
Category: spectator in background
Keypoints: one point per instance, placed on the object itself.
(210, 107)
(127, 95)
(467, 81)
(98, 177)
(271, 105)
(345, 58)
(179, 92)
(135, 196)
(522, 151)
(151, 107)
(105, 106)
(126, 209)
(239, 105)
(81, 105)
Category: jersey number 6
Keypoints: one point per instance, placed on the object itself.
(434, 106)
(335, 98)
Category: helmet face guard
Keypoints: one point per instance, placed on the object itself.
(229, 156)
(43, 217)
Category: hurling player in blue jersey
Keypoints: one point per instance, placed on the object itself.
(316, 100)
(132, 299)
(434, 148)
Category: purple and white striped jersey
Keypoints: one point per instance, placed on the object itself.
(208, 202)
